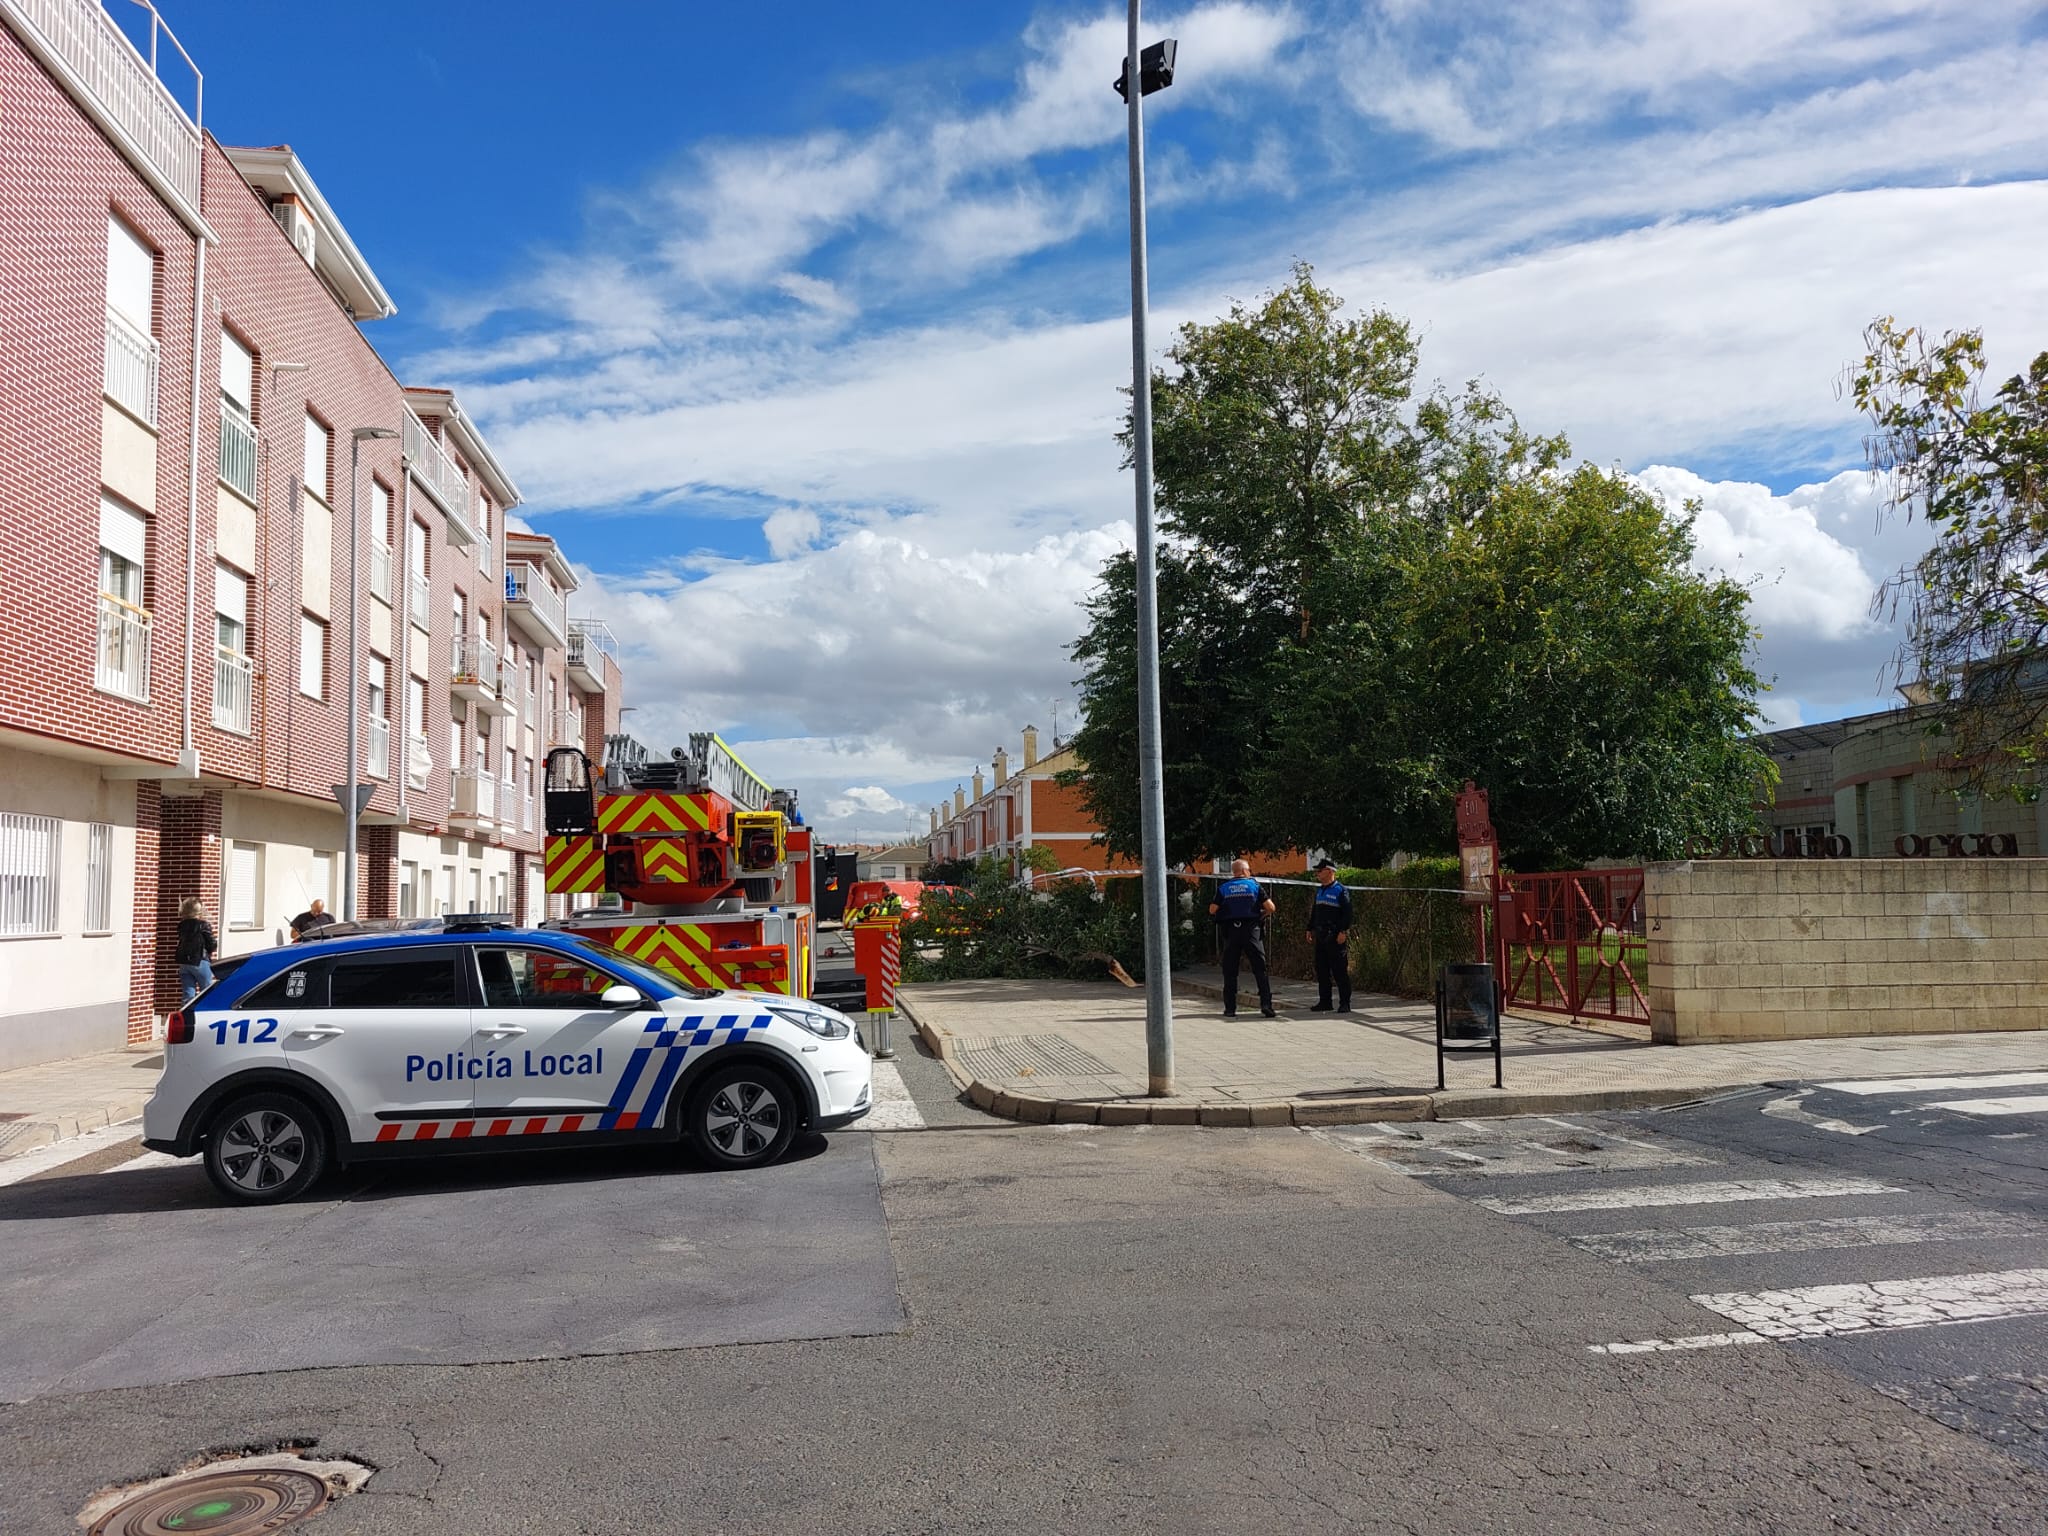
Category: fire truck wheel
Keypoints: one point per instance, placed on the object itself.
(742, 1116)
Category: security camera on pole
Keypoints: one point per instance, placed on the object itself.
(1143, 73)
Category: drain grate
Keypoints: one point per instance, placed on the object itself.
(244, 1497)
(1031, 1056)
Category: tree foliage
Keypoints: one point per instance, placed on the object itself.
(1365, 599)
(990, 925)
(1977, 601)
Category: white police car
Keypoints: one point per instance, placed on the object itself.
(335, 1052)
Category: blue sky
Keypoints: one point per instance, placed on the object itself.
(803, 328)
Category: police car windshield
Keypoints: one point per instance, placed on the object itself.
(658, 982)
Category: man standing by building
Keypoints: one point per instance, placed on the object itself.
(1329, 929)
(1240, 910)
(307, 924)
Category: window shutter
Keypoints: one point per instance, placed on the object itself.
(131, 276)
(231, 595)
(124, 532)
(237, 372)
(241, 893)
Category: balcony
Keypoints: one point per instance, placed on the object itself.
(380, 571)
(535, 607)
(435, 473)
(124, 650)
(237, 451)
(380, 748)
(473, 665)
(233, 688)
(475, 798)
(89, 54)
(565, 728)
(512, 689)
(589, 641)
(418, 596)
(131, 369)
(419, 762)
(525, 813)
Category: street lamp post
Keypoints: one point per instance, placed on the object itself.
(351, 809)
(1144, 73)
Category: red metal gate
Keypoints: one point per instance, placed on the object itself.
(1573, 942)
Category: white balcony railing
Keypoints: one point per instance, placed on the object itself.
(233, 688)
(131, 368)
(474, 795)
(526, 813)
(380, 748)
(418, 595)
(124, 649)
(474, 661)
(380, 570)
(237, 450)
(419, 762)
(526, 592)
(565, 728)
(88, 43)
(512, 687)
(436, 472)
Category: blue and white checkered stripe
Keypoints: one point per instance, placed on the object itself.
(651, 1069)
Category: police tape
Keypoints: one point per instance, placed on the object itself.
(1077, 871)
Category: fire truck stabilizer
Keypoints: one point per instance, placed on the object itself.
(710, 864)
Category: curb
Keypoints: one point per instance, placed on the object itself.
(34, 1135)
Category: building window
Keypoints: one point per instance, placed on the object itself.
(99, 878)
(321, 887)
(29, 849)
(123, 662)
(408, 889)
(447, 884)
(312, 657)
(241, 897)
(375, 682)
(237, 416)
(380, 541)
(319, 456)
(131, 363)
(233, 671)
(419, 594)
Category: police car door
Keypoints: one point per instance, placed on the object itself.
(392, 1042)
(555, 1052)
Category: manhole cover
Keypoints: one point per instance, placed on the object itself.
(240, 1498)
(1031, 1056)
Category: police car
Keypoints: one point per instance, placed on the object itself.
(401, 1044)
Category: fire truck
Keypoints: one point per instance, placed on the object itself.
(710, 865)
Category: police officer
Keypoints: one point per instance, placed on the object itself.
(1240, 910)
(1329, 929)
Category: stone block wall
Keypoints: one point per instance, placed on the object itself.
(1776, 949)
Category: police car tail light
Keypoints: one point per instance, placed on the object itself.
(178, 1029)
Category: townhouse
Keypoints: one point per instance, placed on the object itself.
(226, 519)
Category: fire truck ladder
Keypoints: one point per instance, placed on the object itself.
(722, 770)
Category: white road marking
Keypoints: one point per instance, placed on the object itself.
(2026, 1104)
(1881, 1085)
(1728, 1191)
(1825, 1311)
(1666, 1346)
(1789, 1108)
(895, 1109)
(58, 1153)
(1651, 1245)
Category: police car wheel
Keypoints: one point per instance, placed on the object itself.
(262, 1148)
(743, 1116)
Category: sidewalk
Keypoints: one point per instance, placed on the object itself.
(1075, 1052)
(61, 1099)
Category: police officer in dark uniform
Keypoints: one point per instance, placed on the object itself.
(1329, 929)
(1240, 910)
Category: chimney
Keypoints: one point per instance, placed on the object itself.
(959, 801)
(935, 818)
(1030, 745)
(1002, 766)
(979, 783)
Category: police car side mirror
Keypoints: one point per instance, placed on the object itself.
(619, 995)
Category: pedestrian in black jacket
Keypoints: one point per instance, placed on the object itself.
(1329, 929)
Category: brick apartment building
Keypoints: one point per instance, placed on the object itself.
(177, 480)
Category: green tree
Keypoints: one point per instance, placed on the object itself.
(1977, 601)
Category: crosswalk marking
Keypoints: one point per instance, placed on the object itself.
(1659, 1244)
(1883, 1085)
(1824, 1311)
(2028, 1104)
(28, 1164)
(1728, 1191)
(1668, 1346)
(895, 1109)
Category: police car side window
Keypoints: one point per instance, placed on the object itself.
(539, 978)
(400, 979)
(303, 986)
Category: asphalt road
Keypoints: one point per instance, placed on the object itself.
(1166, 1330)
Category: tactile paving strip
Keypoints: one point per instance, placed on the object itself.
(1008, 1056)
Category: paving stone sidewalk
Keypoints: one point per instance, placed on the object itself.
(58, 1100)
(1075, 1052)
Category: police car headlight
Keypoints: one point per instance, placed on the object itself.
(823, 1025)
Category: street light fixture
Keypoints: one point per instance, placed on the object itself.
(351, 795)
(1143, 73)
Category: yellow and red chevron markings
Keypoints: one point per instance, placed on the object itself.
(690, 952)
(574, 864)
(665, 858)
(656, 812)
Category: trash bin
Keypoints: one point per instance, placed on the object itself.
(1468, 1005)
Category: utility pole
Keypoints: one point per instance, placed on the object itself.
(1150, 71)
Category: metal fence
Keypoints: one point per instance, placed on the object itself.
(123, 663)
(237, 450)
(233, 675)
(131, 368)
(1573, 942)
